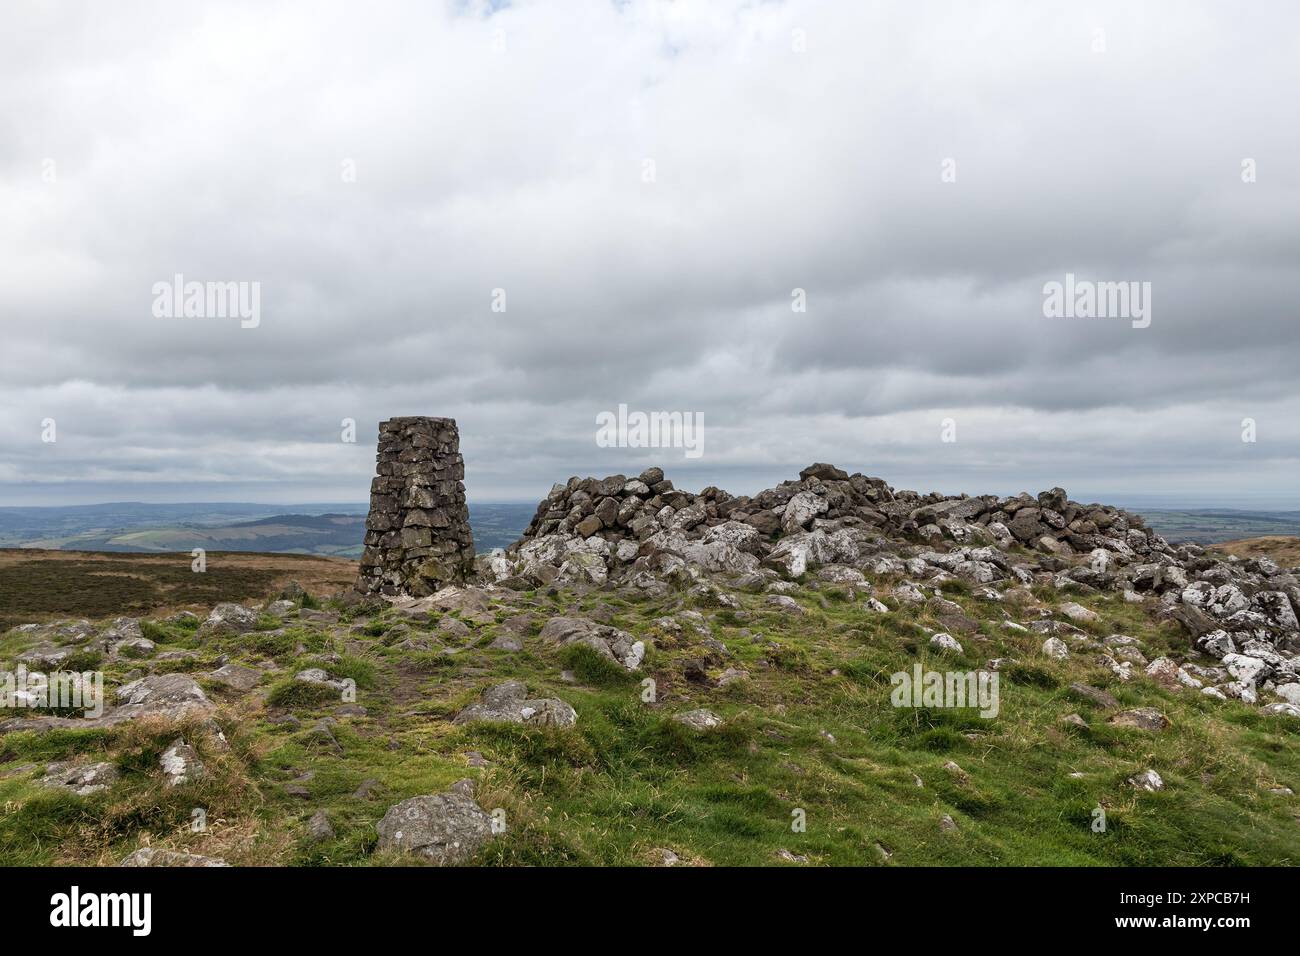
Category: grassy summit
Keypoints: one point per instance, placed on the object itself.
(810, 734)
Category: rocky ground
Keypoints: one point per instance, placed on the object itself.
(662, 678)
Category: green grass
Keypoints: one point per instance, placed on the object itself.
(812, 734)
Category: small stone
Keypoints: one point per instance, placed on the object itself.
(946, 642)
(228, 620)
(1143, 718)
(149, 856)
(961, 775)
(1055, 648)
(453, 627)
(319, 827)
(1095, 694)
(1147, 780)
(81, 779)
(1077, 612)
(236, 677)
(785, 604)
(731, 675)
(180, 764)
(699, 719)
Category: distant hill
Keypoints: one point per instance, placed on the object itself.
(337, 529)
(1215, 525)
(333, 530)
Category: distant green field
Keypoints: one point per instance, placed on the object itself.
(1214, 526)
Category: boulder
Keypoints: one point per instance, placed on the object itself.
(228, 620)
(823, 472)
(610, 642)
(801, 510)
(1055, 648)
(167, 695)
(236, 677)
(510, 703)
(446, 829)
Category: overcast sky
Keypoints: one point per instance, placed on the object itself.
(649, 182)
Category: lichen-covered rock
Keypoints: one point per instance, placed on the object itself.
(236, 677)
(785, 604)
(168, 695)
(319, 827)
(149, 856)
(510, 703)
(180, 764)
(1055, 648)
(946, 642)
(1147, 780)
(319, 677)
(228, 620)
(699, 719)
(800, 511)
(446, 829)
(1077, 612)
(1143, 718)
(81, 779)
(609, 642)
(132, 647)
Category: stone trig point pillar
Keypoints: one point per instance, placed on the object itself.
(417, 535)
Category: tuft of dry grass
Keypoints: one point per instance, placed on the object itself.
(1284, 549)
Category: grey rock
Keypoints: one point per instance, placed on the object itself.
(699, 719)
(319, 827)
(1143, 718)
(81, 779)
(228, 620)
(446, 829)
(149, 856)
(1147, 780)
(236, 677)
(510, 703)
(180, 764)
(946, 642)
(609, 642)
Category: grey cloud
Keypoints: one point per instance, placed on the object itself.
(209, 139)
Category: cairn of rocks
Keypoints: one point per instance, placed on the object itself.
(847, 529)
(418, 536)
(625, 521)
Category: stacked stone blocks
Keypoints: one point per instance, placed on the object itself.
(418, 536)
